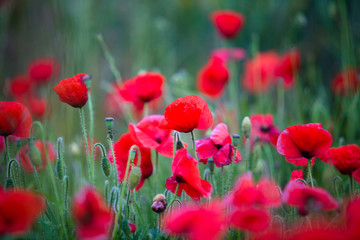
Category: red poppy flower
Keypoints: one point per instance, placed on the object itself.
(301, 142)
(352, 215)
(186, 173)
(346, 82)
(187, 113)
(346, 159)
(263, 129)
(296, 174)
(218, 146)
(307, 198)
(73, 91)
(148, 133)
(228, 23)
(41, 70)
(253, 219)
(213, 77)
(145, 87)
(288, 66)
(245, 192)
(121, 150)
(19, 210)
(228, 54)
(91, 214)
(132, 227)
(197, 222)
(259, 73)
(26, 161)
(317, 230)
(18, 85)
(35, 104)
(15, 119)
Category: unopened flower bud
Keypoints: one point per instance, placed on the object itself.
(179, 144)
(9, 183)
(132, 154)
(246, 127)
(235, 139)
(34, 153)
(60, 169)
(159, 203)
(106, 166)
(109, 122)
(135, 176)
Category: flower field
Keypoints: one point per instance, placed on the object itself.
(179, 119)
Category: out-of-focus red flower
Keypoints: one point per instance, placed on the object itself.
(346, 82)
(346, 159)
(317, 231)
(253, 219)
(197, 222)
(296, 174)
(301, 142)
(247, 193)
(353, 218)
(187, 113)
(228, 23)
(186, 173)
(143, 88)
(213, 77)
(18, 85)
(148, 133)
(73, 91)
(308, 199)
(15, 119)
(132, 227)
(19, 210)
(228, 54)
(36, 105)
(263, 129)
(26, 161)
(287, 67)
(121, 150)
(218, 146)
(41, 70)
(259, 73)
(91, 215)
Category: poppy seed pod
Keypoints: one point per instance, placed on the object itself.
(34, 153)
(135, 176)
(109, 123)
(106, 166)
(246, 127)
(236, 139)
(159, 203)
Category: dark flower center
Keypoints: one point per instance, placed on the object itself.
(218, 146)
(158, 140)
(179, 179)
(306, 154)
(264, 129)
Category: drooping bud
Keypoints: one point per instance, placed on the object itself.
(159, 203)
(235, 140)
(135, 176)
(106, 166)
(246, 127)
(34, 153)
(132, 154)
(109, 122)
(9, 183)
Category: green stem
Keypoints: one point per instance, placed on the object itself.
(309, 172)
(193, 142)
(146, 110)
(91, 135)
(175, 196)
(82, 121)
(103, 151)
(247, 155)
(113, 156)
(15, 174)
(156, 161)
(7, 148)
(351, 185)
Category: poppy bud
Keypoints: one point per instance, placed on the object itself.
(211, 165)
(179, 144)
(109, 123)
(60, 169)
(246, 127)
(9, 183)
(34, 153)
(132, 154)
(106, 166)
(235, 139)
(159, 203)
(135, 176)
